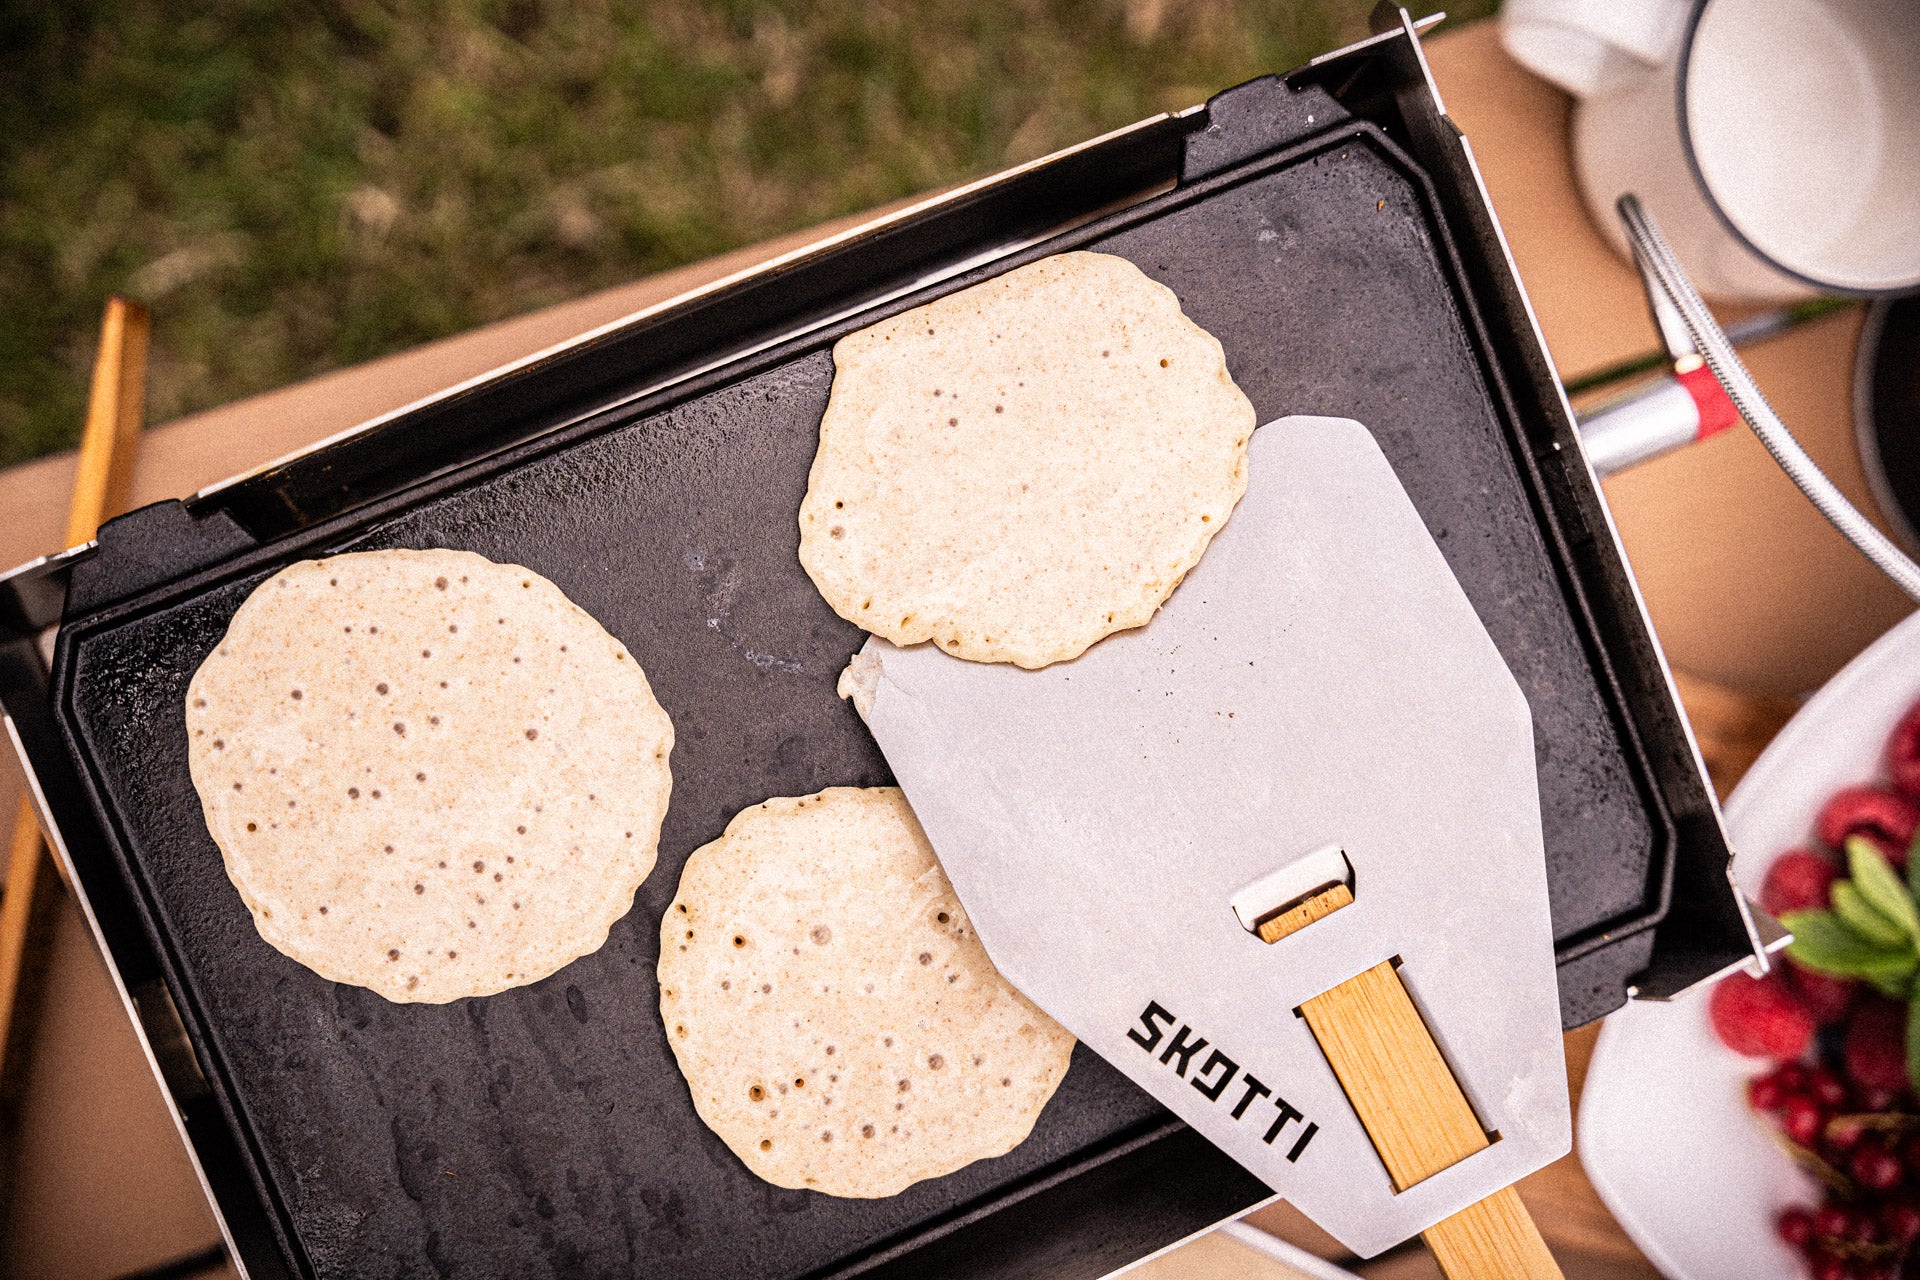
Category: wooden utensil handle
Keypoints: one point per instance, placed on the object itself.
(1420, 1122)
(1494, 1237)
(115, 407)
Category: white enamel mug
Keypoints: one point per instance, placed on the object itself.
(1777, 141)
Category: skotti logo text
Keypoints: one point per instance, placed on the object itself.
(1216, 1074)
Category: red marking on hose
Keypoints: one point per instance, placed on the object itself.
(1710, 399)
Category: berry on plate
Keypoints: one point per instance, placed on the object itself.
(1884, 817)
(1798, 880)
(1828, 999)
(1903, 752)
(1875, 1049)
(1876, 1168)
(1761, 1017)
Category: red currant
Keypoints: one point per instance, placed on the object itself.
(1844, 1133)
(1829, 1267)
(1833, 1222)
(1877, 1169)
(1827, 1088)
(1899, 1221)
(1792, 1076)
(1801, 1119)
(1795, 1226)
(1764, 1093)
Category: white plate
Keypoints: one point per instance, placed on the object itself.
(1664, 1131)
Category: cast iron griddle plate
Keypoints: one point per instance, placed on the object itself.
(546, 1130)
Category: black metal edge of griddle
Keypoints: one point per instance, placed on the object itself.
(124, 937)
(1697, 927)
(28, 600)
(1597, 966)
(1415, 107)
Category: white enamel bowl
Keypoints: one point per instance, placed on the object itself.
(1664, 1131)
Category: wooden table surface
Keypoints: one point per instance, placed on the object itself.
(1747, 587)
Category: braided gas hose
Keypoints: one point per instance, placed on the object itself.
(1718, 354)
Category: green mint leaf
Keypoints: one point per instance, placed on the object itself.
(1913, 1041)
(1913, 867)
(1880, 885)
(1821, 941)
(1861, 916)
(1895, 986)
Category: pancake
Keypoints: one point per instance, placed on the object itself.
(836, 1018)
(1021, 468)
(428, 774)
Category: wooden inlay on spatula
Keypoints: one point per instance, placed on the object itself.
(1420, 1121)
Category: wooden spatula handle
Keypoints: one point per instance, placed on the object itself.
(1420, 1121)
(1494, 1237)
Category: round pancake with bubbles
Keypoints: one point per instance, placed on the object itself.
(1021, 468)
(838, 1023)
(429, 774)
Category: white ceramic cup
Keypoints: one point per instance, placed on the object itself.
(1776, 141)
(1589, 47)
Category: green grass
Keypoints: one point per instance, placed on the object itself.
(294, 187)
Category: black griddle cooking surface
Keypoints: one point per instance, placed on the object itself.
(546, 1130)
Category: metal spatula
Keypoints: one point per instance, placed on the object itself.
(1277, 857)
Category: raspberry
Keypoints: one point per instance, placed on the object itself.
(1903, 752)
(1875, 1050)
(1798, 880)
(1760, 1017)
(1827, 998)
(1880, 815)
